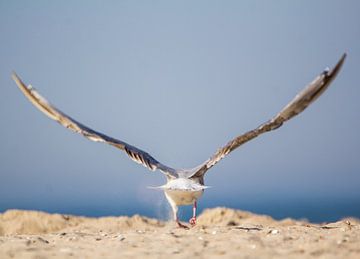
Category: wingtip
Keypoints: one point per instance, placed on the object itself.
(14, 76)
(17, 79)
(343, 57)
(333, 72)
(19, 82)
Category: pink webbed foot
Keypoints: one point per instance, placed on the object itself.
(192, 221)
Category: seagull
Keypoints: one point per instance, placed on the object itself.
(185, 186)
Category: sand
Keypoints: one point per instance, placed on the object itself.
(220, 232)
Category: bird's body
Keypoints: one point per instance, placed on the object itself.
(183, 191)
(184, 187)
(180, 197)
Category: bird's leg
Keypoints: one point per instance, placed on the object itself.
(175, 210)
(192, 221)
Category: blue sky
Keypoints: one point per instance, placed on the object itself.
(177, 79)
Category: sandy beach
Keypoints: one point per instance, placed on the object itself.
(220, 232)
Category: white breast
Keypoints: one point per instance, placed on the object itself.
(180, 197)
(183, 191)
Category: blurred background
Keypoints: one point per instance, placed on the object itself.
(179, 79)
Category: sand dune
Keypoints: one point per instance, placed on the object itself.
(220, 232)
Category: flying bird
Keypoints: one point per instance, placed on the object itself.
(185, 186)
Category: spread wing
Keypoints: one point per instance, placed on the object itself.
(301, 101)
(134, 153)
